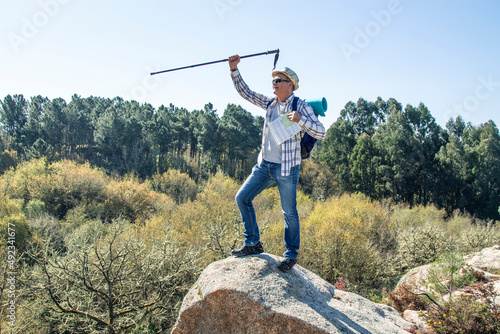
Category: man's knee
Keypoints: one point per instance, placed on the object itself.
(240, 198)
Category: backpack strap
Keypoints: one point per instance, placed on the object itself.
(294, 103)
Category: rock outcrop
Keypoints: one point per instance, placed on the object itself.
(485, 263)
(250, 295)
(487, 260)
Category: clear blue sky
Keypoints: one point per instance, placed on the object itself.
(445, 54)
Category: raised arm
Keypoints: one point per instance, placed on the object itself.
(242, 88)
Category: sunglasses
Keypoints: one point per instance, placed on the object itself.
(278, 80)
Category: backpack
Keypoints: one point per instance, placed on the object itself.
(307, 142)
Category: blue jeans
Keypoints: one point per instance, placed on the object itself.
(263, 176)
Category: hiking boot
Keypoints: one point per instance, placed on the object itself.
(248, 250)
(287, 265)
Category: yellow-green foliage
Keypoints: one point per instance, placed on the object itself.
(471, 235)
(8, 159)
(130, 199)
(336, 239)
(110, 273)
(211, 222)
(476, 237)
(16, 183)
(13, 224)
(417, 216)
(422, 234)
(270, 217)
(368, 244)
(175, 184)
(60, 186)
(65, 185)
(317, 180)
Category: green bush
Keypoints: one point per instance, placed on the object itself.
(62, 186)
(337, 242)
(8, 159)
(316, 180)
(130, 199)
(35, 208)
(47, 228)
(475, 237)
(419, 245)
(59, 186)
(175, 184)
(366, 243)
(14, 228)
(110, 279)
(210, 223)
(467, 315)
(16, 183)
(448, 274)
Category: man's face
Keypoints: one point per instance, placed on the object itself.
(283, 86)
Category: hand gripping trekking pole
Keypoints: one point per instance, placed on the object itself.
(276, 52)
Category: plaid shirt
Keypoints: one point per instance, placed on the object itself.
(290, 149)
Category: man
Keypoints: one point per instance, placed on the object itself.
(278, 163)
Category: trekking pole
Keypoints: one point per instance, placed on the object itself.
(276, 52)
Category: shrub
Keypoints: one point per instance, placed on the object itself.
(60, 186)
(337, 241)
(401, 299)
(316, 181)
(467, 315)
(419, 245)
(16, 183)
(175, 184)
(67, 184)
(417, 216)
(110, 280)
(211, 222)
(49, 229)
(14, 228)
(220, 224)
(8, 159)
(476, 237)
(448, 274)
(129, 199)
(35, 208)
(420, 236)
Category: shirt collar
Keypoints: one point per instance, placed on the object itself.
(290, 99)
(287, 101)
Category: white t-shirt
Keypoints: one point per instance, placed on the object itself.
(272, 150)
